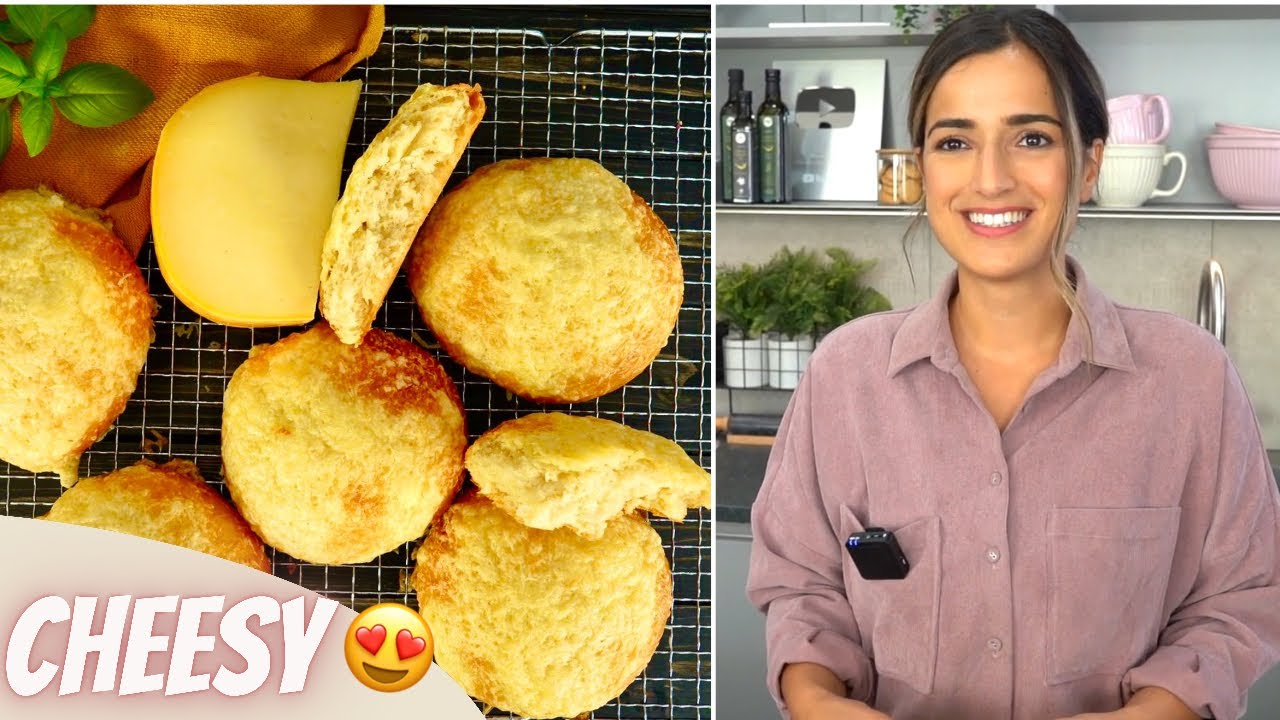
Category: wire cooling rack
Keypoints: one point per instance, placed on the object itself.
(635, 101)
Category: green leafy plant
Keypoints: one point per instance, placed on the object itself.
(741, 299)
(908, 17)
(793, 283)
(797, 293)
(847, 297)
(90, 94)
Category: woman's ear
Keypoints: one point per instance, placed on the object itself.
(1092, 167)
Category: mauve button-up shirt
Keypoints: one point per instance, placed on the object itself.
(1121, 532)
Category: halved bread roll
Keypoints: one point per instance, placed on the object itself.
(551, 470)
(390, 191)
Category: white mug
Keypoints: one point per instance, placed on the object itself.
(1131, 173)
(1135, 119)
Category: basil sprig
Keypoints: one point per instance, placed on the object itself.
(89, 94)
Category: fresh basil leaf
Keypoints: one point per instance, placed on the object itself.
(101, 95)
(10, 85)
(48, 53)
(32, 86)
(6, 130)
(36, 118)
(73, 19)
(11, 62)
(32, 20)
(11, 34)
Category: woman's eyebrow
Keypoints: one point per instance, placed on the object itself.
(1029, 118)
(1010, 121)
(954, 123)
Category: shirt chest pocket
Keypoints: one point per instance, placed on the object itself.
(898, 619)
(1108, 575)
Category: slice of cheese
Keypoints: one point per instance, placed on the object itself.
(245, 179)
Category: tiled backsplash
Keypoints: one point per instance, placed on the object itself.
(1147, 263)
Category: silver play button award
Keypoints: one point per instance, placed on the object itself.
(825, 107)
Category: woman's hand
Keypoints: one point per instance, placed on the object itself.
(812, 692)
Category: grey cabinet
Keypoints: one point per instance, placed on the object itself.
(739, 648)
(1264, 698)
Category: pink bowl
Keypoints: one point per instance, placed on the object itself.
(1238, 130)
(1246, 169)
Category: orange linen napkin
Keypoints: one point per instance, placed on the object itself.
(178, 51)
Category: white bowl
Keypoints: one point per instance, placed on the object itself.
(1246, 169)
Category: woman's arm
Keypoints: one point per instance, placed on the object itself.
(1154, 703)
(796, 576)
(1225, 633)
(1149, 703)
(813, 692)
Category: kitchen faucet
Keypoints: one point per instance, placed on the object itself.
(1212, 310)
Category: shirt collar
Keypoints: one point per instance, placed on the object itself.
(926, 332)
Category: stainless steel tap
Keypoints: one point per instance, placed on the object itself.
(1212, 310)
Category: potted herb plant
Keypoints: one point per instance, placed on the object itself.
(741, 302)
(846, 296)
(930, 18)
(794, 285)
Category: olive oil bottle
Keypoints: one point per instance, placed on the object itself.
(771, 134)
(728, 113)
(745, 170)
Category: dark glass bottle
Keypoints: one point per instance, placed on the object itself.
(771, 134)
(745, 172)
(728, 113)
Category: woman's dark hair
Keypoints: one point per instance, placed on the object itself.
(1078, 94)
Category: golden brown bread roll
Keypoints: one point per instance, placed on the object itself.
(541, 623)
(548, 276)
(170, 503)
(551, 470)
(337, 453)
(75, 325)
(391, 189)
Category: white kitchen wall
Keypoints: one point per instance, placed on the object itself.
(1145, 263)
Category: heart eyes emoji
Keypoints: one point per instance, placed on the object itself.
(369, 660)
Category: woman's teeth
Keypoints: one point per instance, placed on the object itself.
(998, 219)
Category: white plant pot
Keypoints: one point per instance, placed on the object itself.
(744, 362)
(787, 359)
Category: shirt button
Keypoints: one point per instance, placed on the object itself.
(994, 645)
(995, 478)
(993, 556)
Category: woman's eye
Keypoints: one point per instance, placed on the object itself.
(951, 144)
(1036, 140)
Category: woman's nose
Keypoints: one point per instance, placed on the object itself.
(992, 175)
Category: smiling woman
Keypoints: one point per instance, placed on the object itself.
(1080, 542)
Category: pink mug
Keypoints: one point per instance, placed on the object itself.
(1139, 119)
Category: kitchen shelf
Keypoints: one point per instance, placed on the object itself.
(817, 36)
(1157, 13)
(1163, 211)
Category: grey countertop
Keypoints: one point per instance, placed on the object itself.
(740, 470)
